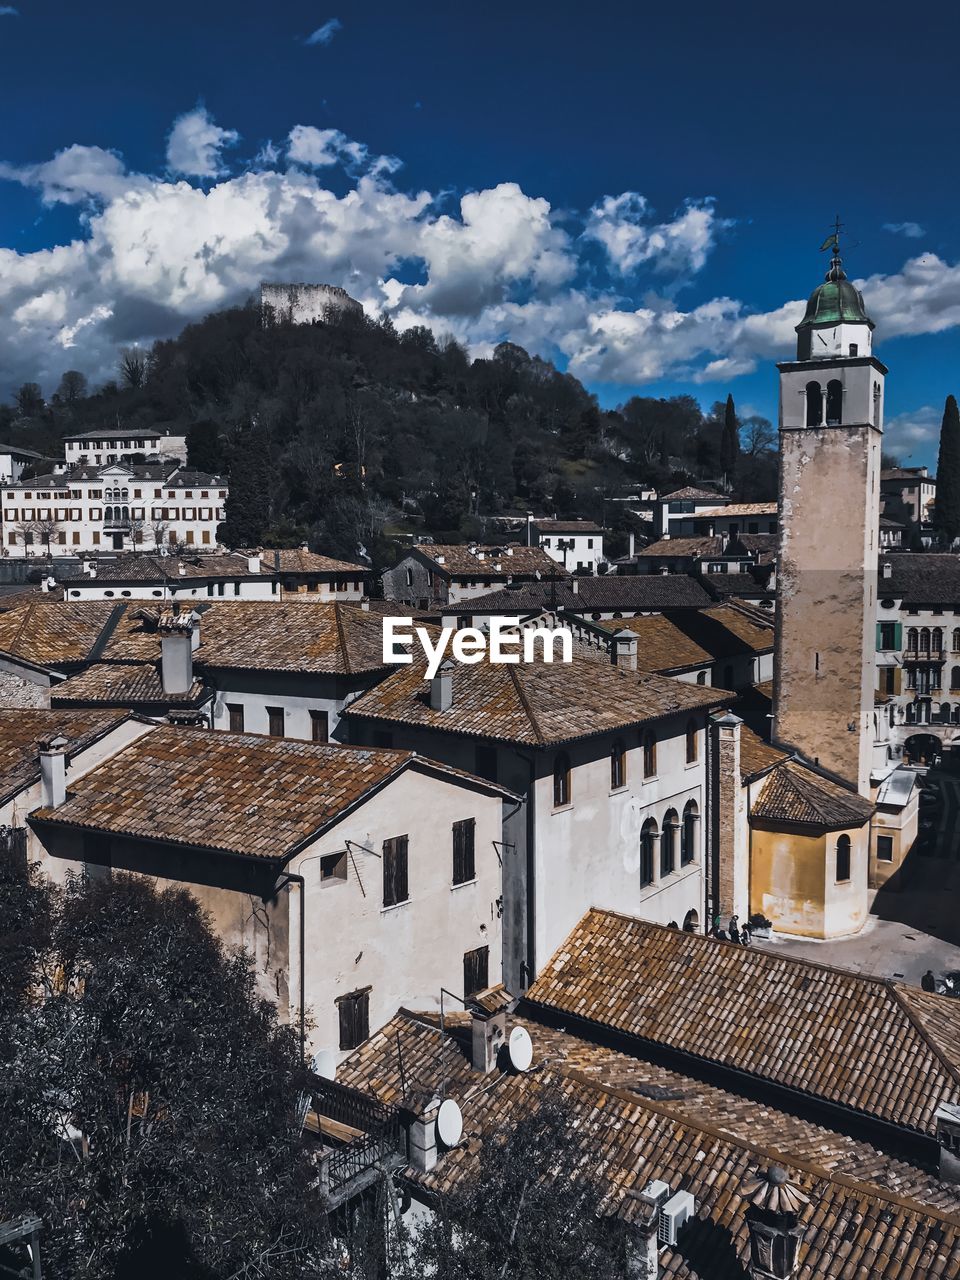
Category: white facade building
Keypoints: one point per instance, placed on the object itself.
(112, 508)
(576, 544)
(14, 461)
(104, 445)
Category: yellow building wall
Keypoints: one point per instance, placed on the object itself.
(793, 881)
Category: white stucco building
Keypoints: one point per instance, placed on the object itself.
(575, 544)
(116, 507)
(104, 445)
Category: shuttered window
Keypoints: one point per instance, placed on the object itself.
(476, 965)
(235, 711)
(354, 1012)
(319, 726)
(395, 871)
(275, 722)
(464, 859)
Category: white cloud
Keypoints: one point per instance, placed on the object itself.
(195, 144)
(319, 148)
(155, 252)
(8, 11)
(621, 224)
(912, 230)
(915, 430)
(324, 34)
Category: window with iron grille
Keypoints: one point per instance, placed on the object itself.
(319, 726)
(235, 711)
(354, 1011)
(476, 966)
(395, 871)
(275, 722)
(464, 859)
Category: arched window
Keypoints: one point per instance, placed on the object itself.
(125, 494)
(693, 742)
(618, 765)
(945, 712)
(956, 639)
(924, 639)
(688, 833)
(668, 843)
(701, 677)
(691, 921)
(814, 404)
(936, 639)
(561, 780)
(911, 714)
(843, 859)
(912, 635)
(648, 844)
(876, 404)
(834, 402)
(649, 754)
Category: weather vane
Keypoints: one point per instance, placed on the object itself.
(833, 241)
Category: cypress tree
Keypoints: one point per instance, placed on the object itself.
(947, 508)
(730, 442)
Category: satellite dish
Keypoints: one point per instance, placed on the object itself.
(324, 1064)
(520, 1049)
(449, 1123)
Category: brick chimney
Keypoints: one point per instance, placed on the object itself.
(731, 889)
(441, 688)
(623, 649)
(773, 1220)
(53, 771)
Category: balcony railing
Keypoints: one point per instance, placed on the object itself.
(361, 1137)
(925, 655)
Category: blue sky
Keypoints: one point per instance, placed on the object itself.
(636, 192)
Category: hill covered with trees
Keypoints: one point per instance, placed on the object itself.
(347, 434)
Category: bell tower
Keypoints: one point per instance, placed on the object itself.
(831, 425)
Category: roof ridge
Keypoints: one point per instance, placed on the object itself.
(767, 1153)
(525, 703)
(342, 637)
(27, 617)
(921, 1031)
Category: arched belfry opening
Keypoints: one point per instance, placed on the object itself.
(814, 404)
(834, 402)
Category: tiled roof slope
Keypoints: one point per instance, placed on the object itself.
(488, 561)
(705, 545)
(121, 684)
(857, 1229)
(855, 1041)
(661, 644)
(21, 731)
(611, 591)
(757, 756)
(567, 526)
(298, 560)
(236, 793)
(795, 793)
(738, 509)
(537, 703)
(295, 636)
(922, 578)
(690, 493)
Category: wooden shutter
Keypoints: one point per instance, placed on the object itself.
(464, 860)
(395, 887)
(476, 970)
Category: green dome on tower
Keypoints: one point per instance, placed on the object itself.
(835, 302)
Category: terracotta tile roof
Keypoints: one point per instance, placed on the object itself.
(851, 1040)
(922, 578)
(757, 756)
(21, 731)
(496, 561)
(907, 473)
(795, 793)
(703, 545)
(733, 1113)
(567, 526)
(237, 793)
(299, 560)
(537, 703)
(755, 632)
(602, 593)
(267, 635)
(117, 684)
(691, 493)
(738, 509)
(661, 644)
(858, 1228)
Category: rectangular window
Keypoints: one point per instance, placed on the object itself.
(333, 867)
(205, 537)
(476, 971)
(395, 888)
(884, 848)
(235, 711)
(319, 726)
(275, 722)
(464, 858)
(649, 755)
(354, 1012)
